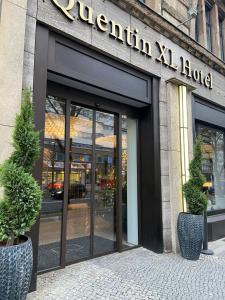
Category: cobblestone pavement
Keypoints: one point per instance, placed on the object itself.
(136, 274)
(218, 247)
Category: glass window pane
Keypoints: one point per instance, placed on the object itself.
(213, 166)
(208, 27)
(129, 182)
(221, 38)
(105, 184)
(79, 200)
(52, 184)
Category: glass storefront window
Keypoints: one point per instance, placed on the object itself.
(129, 182)
(49, 251)
(213, 166)
(78, 243)
(105, 183)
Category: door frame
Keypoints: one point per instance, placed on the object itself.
(73, 100)
(72, 96)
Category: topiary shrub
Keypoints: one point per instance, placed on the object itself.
(196, 199)
(21, 200)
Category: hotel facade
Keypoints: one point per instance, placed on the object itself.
(121, 88)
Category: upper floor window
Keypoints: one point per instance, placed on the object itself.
(197, 26)
(221, 38)
(208, 27)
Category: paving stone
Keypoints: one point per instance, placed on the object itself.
(136, 275)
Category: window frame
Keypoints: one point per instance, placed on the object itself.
(208, 25)
(212, 115)
(221, 35)
(197, 25)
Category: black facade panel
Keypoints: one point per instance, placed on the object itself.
(84, 65)
(150, 188)
(82, 86)
(208, 113)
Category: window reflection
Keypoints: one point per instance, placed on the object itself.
(105, 184)
(52, 184)
(129, 182)
(213, 166)
(90, 198)
(79, 196)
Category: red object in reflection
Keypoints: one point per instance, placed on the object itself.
(106, 183)
(55, 185)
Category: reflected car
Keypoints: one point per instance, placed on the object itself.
(55, 185)
(76, 190)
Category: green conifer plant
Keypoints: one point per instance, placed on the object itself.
(21, 201)
(196, 199)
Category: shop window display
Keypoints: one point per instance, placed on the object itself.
(213, 165)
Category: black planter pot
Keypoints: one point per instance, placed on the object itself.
(190, 235)
(16, 264)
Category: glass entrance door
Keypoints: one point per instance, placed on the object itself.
(92, 180)
(53, 168)
(79, 206)
(104, 209)
(89, 183)
(78, 216)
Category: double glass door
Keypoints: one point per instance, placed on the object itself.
(81, 182)
(91, 209)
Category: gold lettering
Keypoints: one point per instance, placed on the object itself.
(186, 67)
(102, 22)
(146, 47)
(116, 31)
(195, 75)
(128, 34)
(136, 39)
(89, 10)
(201, 77)
(162, 57)
(211, 81)
(66, 9)
(208, 81)
(172, 66)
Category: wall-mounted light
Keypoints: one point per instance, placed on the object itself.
(192, 12)
(184, 136)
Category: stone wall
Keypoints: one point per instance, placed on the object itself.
(12, 31)
(48, 14)
(176, 12)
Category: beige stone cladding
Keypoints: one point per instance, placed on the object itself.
(170, 79)
(12, 31)
(29, 47)
(178, 13)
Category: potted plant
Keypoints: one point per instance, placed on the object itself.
(190, 224)
(19, 206)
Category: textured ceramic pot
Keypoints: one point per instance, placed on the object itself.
(190, 235)
(16, 264)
